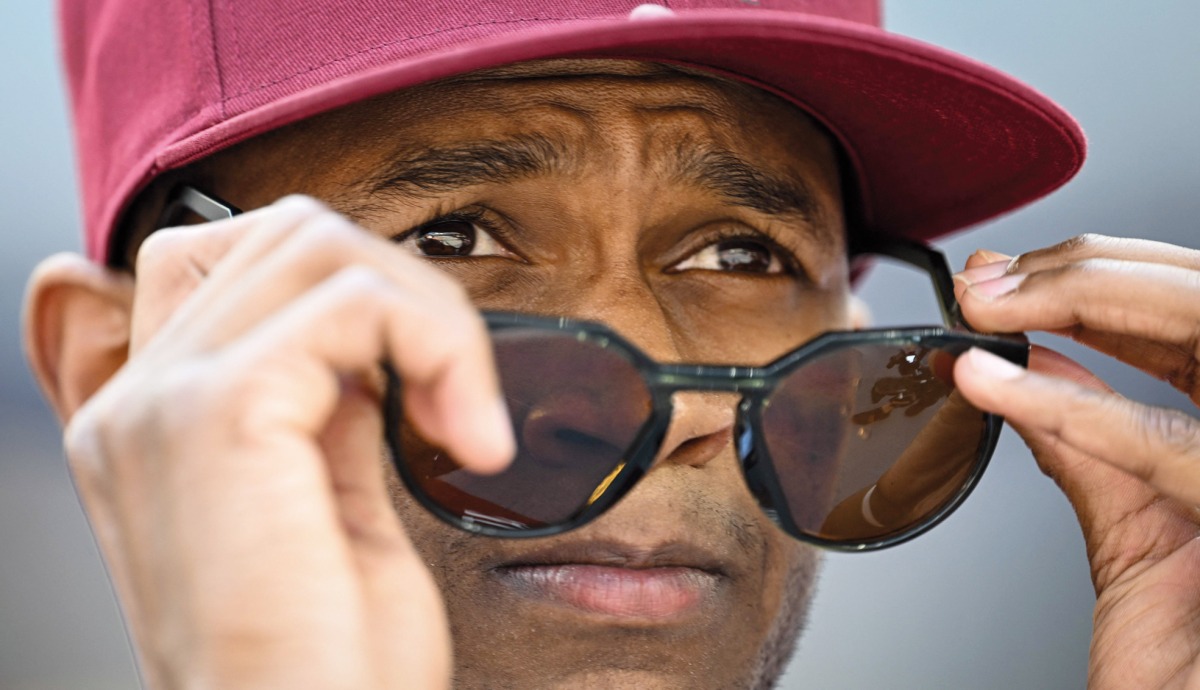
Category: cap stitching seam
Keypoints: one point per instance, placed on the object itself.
(348, 56)
(212, 38)
(237, 53)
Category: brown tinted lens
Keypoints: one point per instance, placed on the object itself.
(576, 407)
(870, 440)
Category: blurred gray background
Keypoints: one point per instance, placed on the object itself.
(997, 597)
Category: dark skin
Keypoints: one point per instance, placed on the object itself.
(676, 315)
(222, 421)
(626, 219)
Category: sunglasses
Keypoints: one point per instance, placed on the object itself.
(855, 440)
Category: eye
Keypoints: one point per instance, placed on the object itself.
(738, 254)
(451, 237)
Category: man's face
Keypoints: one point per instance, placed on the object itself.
(700, 219)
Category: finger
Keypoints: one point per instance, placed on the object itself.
(986, 264)
(1171, 363)
(246, 290)
(1148, 301)
(324, 244)
(346, 326)
(398, 590)
(173, 263)
(1092, 246)
(411, 636)
(1115, 508)
(1164, 361)
(1161, 447)
(351, 445)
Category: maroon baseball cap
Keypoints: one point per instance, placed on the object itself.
(936, 141)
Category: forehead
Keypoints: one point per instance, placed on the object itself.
(585, 103)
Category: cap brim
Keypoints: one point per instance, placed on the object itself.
(939, 142)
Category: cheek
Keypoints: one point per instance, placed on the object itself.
(437, 542)
(791, 596)
(789, 569)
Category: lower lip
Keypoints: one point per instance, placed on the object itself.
(654, 594)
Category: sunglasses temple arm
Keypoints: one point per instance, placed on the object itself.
(208, 207)
(918, 255)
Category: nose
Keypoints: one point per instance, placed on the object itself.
(701, 422)
(701, 428)
(597, 426)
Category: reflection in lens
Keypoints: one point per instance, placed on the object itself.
(870, 440)
(576, 407)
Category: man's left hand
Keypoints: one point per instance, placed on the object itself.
(1131, 471)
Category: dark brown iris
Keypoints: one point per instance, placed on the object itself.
(743, 255)
(447, 238)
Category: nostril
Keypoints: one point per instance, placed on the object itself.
(700, 450)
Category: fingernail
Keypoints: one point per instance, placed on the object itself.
(989, 256)
(979, 274)
(991, 366)
(991, 289)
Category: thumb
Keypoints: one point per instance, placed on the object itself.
(1124, 518)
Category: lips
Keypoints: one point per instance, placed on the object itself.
(653, 585)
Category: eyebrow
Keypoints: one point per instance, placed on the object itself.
(744, 184)
(429, 172)
(438, 170)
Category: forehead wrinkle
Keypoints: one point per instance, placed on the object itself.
(428, 172)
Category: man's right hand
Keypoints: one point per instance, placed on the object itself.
(232, 470)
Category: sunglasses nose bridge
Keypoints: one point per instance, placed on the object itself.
(706, 406)
(700, 427)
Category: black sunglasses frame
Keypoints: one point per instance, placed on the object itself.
(754, 384)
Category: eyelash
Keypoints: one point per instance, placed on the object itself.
(478, 216)
(475, 216)
(792, 266)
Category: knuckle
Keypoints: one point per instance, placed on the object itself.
(104, 437)
(1078, 277)
(1087, 243)
(360, 278)
(1073, 250)
(327, 236)
(1094, 264)
(133, 427)
(1174, 429)
(290, 219)
(1171, 439)
(84, 447)
(159, 249)
(326, 226)
(301, 204)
